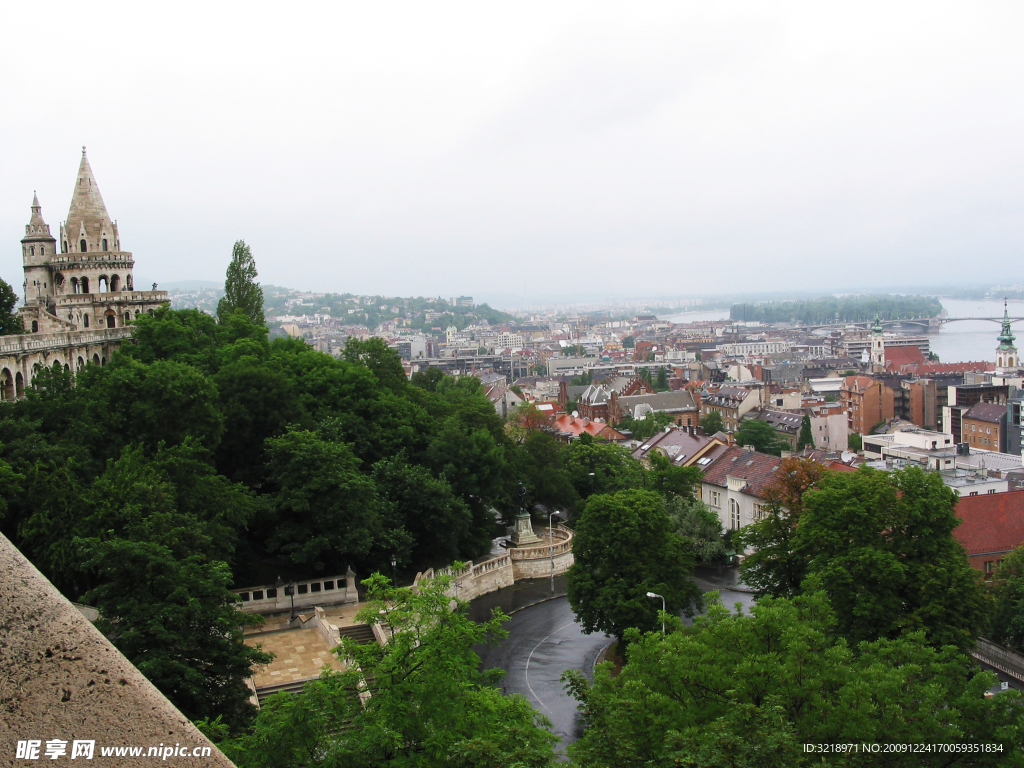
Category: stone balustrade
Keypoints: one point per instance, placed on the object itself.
(309, 592)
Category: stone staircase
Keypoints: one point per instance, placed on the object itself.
(361, 633)
(295, 686)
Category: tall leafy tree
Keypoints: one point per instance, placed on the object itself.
(10, 323)
(624, 548)
(773, 566)
(241, 291)
(881, 546)
(1007, 625)
(806, 437)
(172, 615)
(751, 690)
(429, 702)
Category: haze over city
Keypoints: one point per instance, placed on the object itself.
(543, 150)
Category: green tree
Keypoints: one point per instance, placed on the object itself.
(241, 291)
(712, 423)
(596, 467)
(384, 362)
(173, 617)
(430, 704)
(648, 426)
(773, 566)
(624, 548)
(10, 322)
(699, 526)
(806, 435)
(761, 435)
(661, 384)
(327, 511)
(1007, 626)
(881, 546)
(751, 690)
(855, 442)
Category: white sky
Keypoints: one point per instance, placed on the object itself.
(527, 149)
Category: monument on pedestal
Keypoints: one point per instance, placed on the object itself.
(523, 533)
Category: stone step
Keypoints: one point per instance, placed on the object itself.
(361, 633)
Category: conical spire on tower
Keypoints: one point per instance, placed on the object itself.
(88, 223)
(1006, 337)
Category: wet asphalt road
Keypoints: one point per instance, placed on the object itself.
(544, 640)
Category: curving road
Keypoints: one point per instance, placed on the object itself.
(545, 640)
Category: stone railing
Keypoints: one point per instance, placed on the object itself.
(474, 579)
(562, 544)
(32, 342)
(1000, 657)
(309, 592)
(520, 563)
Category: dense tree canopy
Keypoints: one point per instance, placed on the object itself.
(846, 309)
(751, 690)
(762, 436)
(879, 544)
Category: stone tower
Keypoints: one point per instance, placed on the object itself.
(37, 247)
(1006, 352)
(84, 280)
(877, 346)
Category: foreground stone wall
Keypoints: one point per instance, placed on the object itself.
(61, 679)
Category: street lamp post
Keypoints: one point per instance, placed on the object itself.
(290, 591)
(655, 594)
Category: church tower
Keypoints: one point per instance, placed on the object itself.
(877, 346)
(1006, 352)
(37, 247)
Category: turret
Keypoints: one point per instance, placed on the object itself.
(37, 247)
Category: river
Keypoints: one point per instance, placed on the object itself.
(961, 342)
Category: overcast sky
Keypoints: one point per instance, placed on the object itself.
(527, 149)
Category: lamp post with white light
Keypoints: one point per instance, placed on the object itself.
(655, 594)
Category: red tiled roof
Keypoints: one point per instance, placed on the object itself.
(991, 522)
(758, 469)
(898, 357)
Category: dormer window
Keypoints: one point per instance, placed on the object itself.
(105, 245)
(83, 246)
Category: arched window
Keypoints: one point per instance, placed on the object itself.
(115, 283)
(128, 282)
(83, 246)
(35, 326)
(85, 319)
(734, 514)
(105, 244)
(74, 285)
(111, 319)
(96, 359)
(19, 384)
(65, 246)
(6, 385)
(42, 250)
(81, 363)
(85, 285)
(127, 318)
(32, 250)
(102, 283)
